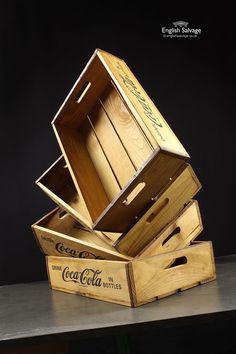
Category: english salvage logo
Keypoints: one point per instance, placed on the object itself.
(181, 29)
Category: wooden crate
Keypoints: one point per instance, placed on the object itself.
(118, 148)
(179, 233)
(135, 282)
(168, 204)
(57, 183)
(60, 234)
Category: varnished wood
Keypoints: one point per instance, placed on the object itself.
(119, 216)
(100, 161)
(136, 282)
(179, 233)
(168, 203)
(110, 277)
(112, 146)
(87, 181)
(140, 104)
(129, 129)
(153, 279)
(63, 236)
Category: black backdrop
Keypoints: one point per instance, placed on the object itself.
(43, 51)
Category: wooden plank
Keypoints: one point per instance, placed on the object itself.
(57, 183)
(71, 113)
(169, 202)
(100, 161)
(84, 172)
(60, 221)
(103, 280)
(118, 158)
(151, 279)
(56, 244)
(130, 134)
(63, 236)
(140, 104)
(119, 215)
(178, 234)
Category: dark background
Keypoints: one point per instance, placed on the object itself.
(43, 51)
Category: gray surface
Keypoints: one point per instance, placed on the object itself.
(31, 310)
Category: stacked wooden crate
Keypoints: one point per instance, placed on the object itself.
(126, 220)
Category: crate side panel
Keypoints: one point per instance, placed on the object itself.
(103, 280)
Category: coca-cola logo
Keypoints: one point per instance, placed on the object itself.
(87, 277)
(147, 110)
(61, 248)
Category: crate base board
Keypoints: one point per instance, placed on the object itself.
(133, 283)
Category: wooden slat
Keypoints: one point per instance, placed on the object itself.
(56, 244)
(125, 124)
(100, 161)
(141, 105)
(155, 174)
(112, 146)
(103, 280)
(63, 236)
(152, 279)
(168, 204)
(57, 183)
(184, 229)
(86, 179)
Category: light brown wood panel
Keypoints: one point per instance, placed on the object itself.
(100, 161)
(86, 179)
(71, 113)
(103, 280)
(131, 135)
(170, 201)
(114, 150)
(179, 233)
(141, 105)
(155, 174)
(57, 244)
(152, 279)
(64, 236)
(136, 282)
(60, 221)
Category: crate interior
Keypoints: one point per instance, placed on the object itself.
(57, 180)
(62, 222)
(105, 147)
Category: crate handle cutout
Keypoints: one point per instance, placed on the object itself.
(176, 231)
(82, 92)
(177, 262)
(155, 213)
(134, 193)
(62, 214)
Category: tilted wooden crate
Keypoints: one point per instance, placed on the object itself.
(169, 202)
(58, 185)
(63, 236)
(135, 282)
(117, 146)
(58, 233)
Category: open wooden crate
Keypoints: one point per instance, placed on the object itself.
(59, 235)
(57, 183)
(117, 146)
(126, 223)
(135, 282)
